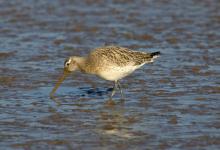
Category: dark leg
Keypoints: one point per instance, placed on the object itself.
(114, 89)
(121, 92)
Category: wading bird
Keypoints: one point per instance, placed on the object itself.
(110, 63)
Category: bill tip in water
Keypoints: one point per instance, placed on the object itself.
(51, 94)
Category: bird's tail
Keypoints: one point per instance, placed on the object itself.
(154, 55)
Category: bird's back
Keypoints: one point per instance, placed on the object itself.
(114, 62)
(119, 56)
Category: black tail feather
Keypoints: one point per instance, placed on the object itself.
(155, 54)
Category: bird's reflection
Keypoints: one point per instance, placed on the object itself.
(114, 119)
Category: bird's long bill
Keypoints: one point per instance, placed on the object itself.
(60, 80)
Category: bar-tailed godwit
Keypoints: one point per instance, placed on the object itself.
(110, 63)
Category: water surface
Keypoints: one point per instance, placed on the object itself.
(171, 104)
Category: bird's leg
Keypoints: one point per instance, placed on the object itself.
(119, 86)
(114, 89)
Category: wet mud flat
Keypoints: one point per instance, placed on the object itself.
(171, 104)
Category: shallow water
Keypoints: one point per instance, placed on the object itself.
(170, 104)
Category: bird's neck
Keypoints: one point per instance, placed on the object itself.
(84, 65)
(81, 63)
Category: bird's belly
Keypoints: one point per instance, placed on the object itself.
(116, 73)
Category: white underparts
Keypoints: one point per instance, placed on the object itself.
(114, 73)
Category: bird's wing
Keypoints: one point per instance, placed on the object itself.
(119, 56)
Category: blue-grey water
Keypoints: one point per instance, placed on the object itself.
(173, 103)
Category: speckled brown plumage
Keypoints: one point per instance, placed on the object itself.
(117, 56)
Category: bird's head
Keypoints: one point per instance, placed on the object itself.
(70, 64)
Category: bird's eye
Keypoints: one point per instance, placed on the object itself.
(67, 64)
